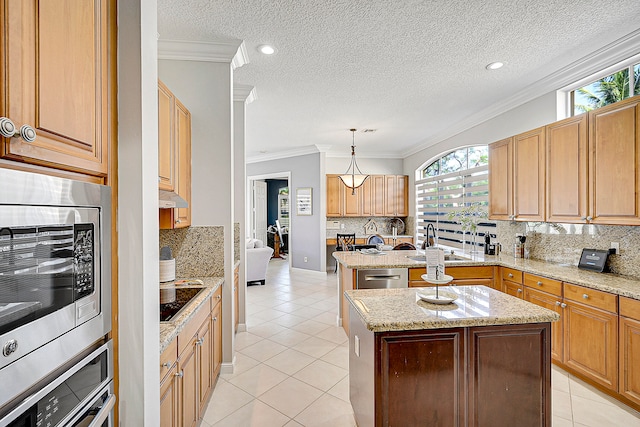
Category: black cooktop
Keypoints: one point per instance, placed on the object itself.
(183, 297)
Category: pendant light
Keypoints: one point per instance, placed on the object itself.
(352, 179)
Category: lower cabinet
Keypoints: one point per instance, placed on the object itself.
(216, 329)
(629, 369)
(462, 275)
(551, 302)
(169, 402)
(188, 377)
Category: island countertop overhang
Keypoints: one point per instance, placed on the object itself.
(384, 310)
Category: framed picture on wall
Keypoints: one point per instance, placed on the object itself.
(304, 201)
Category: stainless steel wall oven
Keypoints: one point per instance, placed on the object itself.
(55, 275)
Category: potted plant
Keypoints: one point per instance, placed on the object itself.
(469, 217)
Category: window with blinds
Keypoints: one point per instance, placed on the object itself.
(455, 181)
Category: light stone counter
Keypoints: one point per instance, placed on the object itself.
(170, 330)
(385, 310)
(620, 285)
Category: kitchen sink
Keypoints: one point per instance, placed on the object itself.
(447, 257)
(175, 304)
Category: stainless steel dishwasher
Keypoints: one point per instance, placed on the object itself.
(381, 278)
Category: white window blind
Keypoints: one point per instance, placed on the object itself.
(437, 196)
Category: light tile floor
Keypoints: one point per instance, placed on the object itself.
(292, 365)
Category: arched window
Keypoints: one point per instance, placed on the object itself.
(452, 194)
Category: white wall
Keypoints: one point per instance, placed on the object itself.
(206, 89)
(307, 237)
(239, 211)
(368, 166)
(137, 220)
(533, 114)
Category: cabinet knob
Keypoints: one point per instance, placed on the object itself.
(510, 274)
(563, 305)
(7, 128)
(27, 133)
(519, 290)
(558, 303)
(584, 218)
(167, 364)
(218, 296)
(539, 283)
(589, 218)
(200, 341)
(215, 319)
(179, 374)
(178, 221)
(585, 296)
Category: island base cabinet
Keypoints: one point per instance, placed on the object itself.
(477, 376)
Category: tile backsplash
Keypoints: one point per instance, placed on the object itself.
(199, 251)
(563, 243)
(356, 225)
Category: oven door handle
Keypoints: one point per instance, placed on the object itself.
(103, 413)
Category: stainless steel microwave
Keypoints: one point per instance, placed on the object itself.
(55, 275)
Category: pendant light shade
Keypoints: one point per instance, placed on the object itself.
(350, 178)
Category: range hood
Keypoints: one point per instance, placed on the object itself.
(169, 199)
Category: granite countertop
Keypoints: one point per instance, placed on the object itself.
(616, 284)
(364, 236)
(385, 310)
(170, 330)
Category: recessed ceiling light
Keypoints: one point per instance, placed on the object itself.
(494, 65)
(266, 49)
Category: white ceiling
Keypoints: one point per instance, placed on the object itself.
(413, 70)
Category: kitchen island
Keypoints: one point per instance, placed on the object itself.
(483, 360)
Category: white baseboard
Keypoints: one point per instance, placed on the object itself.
(319, 274)
(228, 368)
(242, 327)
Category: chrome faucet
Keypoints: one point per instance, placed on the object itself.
(430, 241)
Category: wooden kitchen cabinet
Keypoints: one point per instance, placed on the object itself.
(188, 390)
(551, 302)
(529, 176)
(216, 326)
(58, 65)
(501, 180)
(169, 385)
(204, 356)
(380, 195)
(174, 156)
(462, 275)
(614, 156)
(591, 334)
(629, 370)
(567, 164)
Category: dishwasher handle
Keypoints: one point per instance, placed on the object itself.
(382, 277)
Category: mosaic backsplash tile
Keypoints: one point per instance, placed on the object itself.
(199, 251)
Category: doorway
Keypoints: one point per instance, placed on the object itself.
(268, 217)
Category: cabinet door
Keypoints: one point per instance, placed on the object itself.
(390, 195)
(204, 348)
(402, 195)
(377, 195)
(591, 343)
(166, 142)
(614, 144)
(334, 195)
(550, 302)
(188, 368)
(501, 180)
(169, 408)
(567, 165)
(59, 77)
(366, 198)
(183, 140)
(529, 175)
(629, 356)
(513, 289)
(216, 319)
(351, 201)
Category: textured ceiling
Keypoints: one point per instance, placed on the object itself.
(411, 69)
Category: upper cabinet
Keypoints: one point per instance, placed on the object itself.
(516, 177)
(614, 156)
(380, 195)
(567, 166)
(58, 76)
(174, 156)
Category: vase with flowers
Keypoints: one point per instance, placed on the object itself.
(469, 217)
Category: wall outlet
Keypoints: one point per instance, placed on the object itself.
(333, 225)
(616, 247)
(342, 226)
(306, 259)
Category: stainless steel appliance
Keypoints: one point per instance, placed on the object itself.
(55, 275)
(81, 395)
(381, 278)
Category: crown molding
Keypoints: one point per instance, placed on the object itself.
(244, 93)
(364, 154)
(617, 51)
(323, 148)
(233, 52)
(302, 151)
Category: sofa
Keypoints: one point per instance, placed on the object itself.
(258, 256)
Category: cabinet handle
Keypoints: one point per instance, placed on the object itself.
(563, 305)
(539, 283)
(201, 341)
(585, 296)
(510, 275)
(589, 218)
(167, 364)
(7, 128)
(179, 374)
(27, 133)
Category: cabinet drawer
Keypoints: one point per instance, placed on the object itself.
(543, 284)
(185, 338)
(472, 282)
(591, 297)
(416, 273)
(168, 358)
(480, 272)
(512, 275)
(216, 298)
(630, 307)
